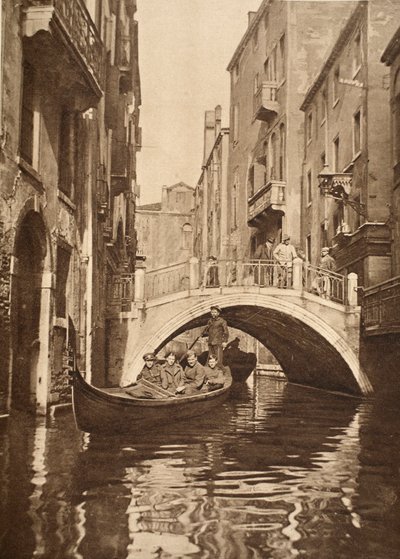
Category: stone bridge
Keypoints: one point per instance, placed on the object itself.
(315, 339)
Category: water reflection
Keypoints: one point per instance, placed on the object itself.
(279, 471)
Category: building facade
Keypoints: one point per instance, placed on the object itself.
(165, 229)
(60, 206)
(271, 70)
(211, 194)
(347, 174)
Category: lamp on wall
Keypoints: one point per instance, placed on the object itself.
(338, 187)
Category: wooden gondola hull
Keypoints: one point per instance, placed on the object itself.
(97, 410)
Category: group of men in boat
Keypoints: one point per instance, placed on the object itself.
(194, 377)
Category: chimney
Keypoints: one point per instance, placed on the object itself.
(164, 198)
(209, 133)
(250, 17)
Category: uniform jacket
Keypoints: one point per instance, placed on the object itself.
(152, 374)
(194, 376)
(171, 376)
(217, 331)
(215, 376)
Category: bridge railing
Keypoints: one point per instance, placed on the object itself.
(196, 274)
(166, 280)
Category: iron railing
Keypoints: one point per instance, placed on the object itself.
(83, 34)
(325, 283)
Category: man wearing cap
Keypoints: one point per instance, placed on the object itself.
(217, 332)
(284, 254)
(263, 271)
(151, 370)
(327, 262)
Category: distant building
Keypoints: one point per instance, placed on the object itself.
(271, 70)
(347, 138)
(69, 132)
(211, 194)
(165, 229)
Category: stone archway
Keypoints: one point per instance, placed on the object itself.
(26, 309)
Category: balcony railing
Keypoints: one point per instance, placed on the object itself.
(270, 195)
(380, 308)
(75, 23)
(265, 103)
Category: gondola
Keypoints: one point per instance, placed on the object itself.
(114, 410)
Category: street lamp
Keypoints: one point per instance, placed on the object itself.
(338, 187)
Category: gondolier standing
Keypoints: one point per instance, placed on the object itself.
(217, 332)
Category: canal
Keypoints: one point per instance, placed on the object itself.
(278, 471)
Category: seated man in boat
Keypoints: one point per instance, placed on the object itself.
(193, 377)
(215, 374)
(151, 370)
(171, 373)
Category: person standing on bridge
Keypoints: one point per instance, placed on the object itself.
(264, 268)
(217, 332)
(284, 254)
(326, 264)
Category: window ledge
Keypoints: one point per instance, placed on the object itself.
(323, 121)
(29, 170)
(66, 200)
(336, 101)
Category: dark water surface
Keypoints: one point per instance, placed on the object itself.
(278, 471)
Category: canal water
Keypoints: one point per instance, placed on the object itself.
(279, 471)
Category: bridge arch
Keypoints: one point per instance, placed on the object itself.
(308, 348)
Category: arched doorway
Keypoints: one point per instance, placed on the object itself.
(29, 253)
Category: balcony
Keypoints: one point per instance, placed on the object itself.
(271, 196)
(120, 293)
(69, 21)
(265, 103)
(380, 308)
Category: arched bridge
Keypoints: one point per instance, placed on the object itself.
(315, 338)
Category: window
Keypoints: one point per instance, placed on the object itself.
(267, 70)
(273, 158)
(335, 85)
(266, 19)
(323, 160)
(309, 126)
(282, 58)
(27, 115)
(282, 152)
(324, 107)
(255, 39)
(235, 124)
(274, 64)
(323, 238)
(256, 83)
(309, 188)
(236, 71)
(308, 248)
(357, 54)
(67, 153)
(336, 147)
(234, 200)
(187, 231)
(356, 133)
(251, 181)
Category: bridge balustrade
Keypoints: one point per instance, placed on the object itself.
(196, 274)
(166, 280)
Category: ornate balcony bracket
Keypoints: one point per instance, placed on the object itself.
(338, 186)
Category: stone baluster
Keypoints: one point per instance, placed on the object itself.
(297, 273)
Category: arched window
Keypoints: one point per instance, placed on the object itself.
(187, 233)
